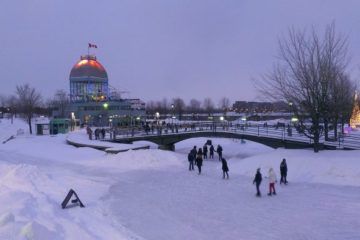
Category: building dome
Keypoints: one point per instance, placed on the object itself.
(88, 66)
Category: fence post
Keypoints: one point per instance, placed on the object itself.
(258, 130)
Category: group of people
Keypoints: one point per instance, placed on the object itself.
(99, 133)
(197, 156)
(272, 179)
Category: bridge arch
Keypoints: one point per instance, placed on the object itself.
(168, 141)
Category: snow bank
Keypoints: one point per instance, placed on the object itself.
(329, 167)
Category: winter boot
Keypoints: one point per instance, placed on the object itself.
(269, 194)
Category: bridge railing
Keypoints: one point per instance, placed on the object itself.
(276, 132)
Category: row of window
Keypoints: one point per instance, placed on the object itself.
(99, 108)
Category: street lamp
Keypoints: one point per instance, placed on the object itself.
(157, 116)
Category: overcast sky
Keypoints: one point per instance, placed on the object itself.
(156, 49)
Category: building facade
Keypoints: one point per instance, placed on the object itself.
(91, 101)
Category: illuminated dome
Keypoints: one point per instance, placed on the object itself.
(88, 80)
(88, 66)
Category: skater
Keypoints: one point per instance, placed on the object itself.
(205, 150)
(199, 159)
(225, 168)
(219, 151)
(194, 152)
(212, 149)
(283, 172)
(272, 180)
(257, 180)
(191, 158)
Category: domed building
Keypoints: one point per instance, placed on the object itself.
(88, 80)
(92, 102)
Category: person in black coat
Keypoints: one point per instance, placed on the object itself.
(283, 171)
(191, 159)
(199, 159)
(212, 149)
(205, 151)
(194, 152)
(219, 151)
(225, 168)
(257, 180)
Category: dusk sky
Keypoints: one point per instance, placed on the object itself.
(156, 49)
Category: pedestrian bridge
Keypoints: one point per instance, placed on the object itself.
(272, 136)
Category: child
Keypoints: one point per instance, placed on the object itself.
(272, 180)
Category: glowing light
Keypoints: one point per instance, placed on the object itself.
(92, 63)
(222, 118)
(106, 105)
(243, 118)
(294, 119)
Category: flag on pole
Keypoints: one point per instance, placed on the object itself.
(92, 45)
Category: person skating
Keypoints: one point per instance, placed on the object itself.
(257, 180)
(194, 152)
(219, 151)
(191, 158)
(283, 172)
(272, 180)
(205, 151)
(199, 159)
(225, 168)
(212, 149)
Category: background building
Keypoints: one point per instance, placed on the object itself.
(92, 102)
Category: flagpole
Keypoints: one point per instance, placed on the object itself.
(88, 50)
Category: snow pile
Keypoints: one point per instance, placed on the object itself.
(8, 129)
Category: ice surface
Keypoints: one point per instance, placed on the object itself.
(151, 194)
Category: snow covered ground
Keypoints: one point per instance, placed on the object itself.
(150, 194)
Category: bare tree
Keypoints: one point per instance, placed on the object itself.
(307, 69)
(342, 102)
(28, 99)
(208, 105)
(11, 105)
(60, 102)
(224, 104)
(179, 106)
(164, 106)
(150, 107)
(194, 106)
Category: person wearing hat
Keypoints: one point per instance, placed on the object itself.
(257, 180)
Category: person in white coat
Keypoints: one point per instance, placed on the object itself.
(272, 180)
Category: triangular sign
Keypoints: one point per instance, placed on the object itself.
(68, 197)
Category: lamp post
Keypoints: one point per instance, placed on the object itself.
(157, 116)
(172, 112)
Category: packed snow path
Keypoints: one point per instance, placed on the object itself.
(178, 204)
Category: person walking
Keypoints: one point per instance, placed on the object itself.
(225, 168)
(219, 151)
(257, 180)
(212, 149)
(272, 180)
(199, 159)
(191, 158)
(205, 151)
(283, 172)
